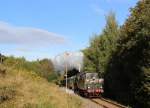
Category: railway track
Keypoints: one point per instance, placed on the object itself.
(107, 103)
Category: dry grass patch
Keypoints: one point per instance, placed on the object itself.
(24, 89)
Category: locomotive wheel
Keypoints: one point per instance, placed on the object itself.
(86, 95)
(76, 90)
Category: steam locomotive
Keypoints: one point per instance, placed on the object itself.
(86, 84)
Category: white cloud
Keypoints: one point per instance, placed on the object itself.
(28, 36)
(23, 50)
(97, 9)
(119, 1)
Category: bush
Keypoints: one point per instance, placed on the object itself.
(43, 68)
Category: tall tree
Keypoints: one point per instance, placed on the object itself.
(128, 73)
(101, 46)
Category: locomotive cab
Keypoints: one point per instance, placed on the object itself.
(94, 84)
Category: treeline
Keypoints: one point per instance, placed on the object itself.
(121, 54)
(43, 68)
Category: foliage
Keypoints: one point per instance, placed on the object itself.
(101, 47)
(123, 57)
(128, 73)
(43, 67)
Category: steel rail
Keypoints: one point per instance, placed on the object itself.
(105, 103)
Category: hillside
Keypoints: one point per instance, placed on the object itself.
(21, 88)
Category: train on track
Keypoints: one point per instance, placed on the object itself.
(85, 83)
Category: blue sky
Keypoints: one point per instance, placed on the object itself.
(44, 28)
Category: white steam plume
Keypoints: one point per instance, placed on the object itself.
(70, 59)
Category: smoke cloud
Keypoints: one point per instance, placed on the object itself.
(70, 59)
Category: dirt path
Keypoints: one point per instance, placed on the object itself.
(89, 104)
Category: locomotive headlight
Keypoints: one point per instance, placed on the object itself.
(101, 80)
(87, 80)
(88, 87)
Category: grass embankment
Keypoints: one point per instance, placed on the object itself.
(25, 89)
